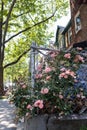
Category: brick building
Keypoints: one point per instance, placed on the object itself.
(79, 20)
(76, 29)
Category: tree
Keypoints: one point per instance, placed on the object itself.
(21, 21)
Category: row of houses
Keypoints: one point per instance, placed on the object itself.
(76, 29)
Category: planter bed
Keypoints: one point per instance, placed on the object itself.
(45, 122)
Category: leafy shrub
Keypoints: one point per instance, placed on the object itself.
(54, 91)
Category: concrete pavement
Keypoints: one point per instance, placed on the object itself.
(7, 116)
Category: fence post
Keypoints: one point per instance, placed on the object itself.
(36, 60)
(32, 64)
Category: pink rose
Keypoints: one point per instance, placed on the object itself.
(68, 55)
(62, 69)
(47, 70)
(72, 74)
(44, 90)
(67, 72)
(62, 75)
(48, 77)
(53, 55)
(61, 96)
(39, 103)
(78, 95)
(78, 58)
(81, 58)
(29, 107)
(79, 48)
(24, 86)
(66, 76)
(39, 68)
(38, 76)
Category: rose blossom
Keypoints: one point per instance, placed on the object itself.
(53, 55)
(67, 73)
(39, 103)
(78, 58)
(24, 86)
(38, 76)
(79, 48)
(72, 74)
(44, 90)
(66, 76)
(68, 55)
(29, 107)
(78, 95)
(48, 77)
(47, 70)
(62, 75)
(81, 58)
(61, 96)
(39, 68)
(62, 69)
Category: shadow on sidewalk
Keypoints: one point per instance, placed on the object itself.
(7, 115)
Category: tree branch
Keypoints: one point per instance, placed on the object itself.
(7, 20)
(21, 14)
(28, 28)
(14, 62)
(4, 23)
(16, 16)
(32, 19)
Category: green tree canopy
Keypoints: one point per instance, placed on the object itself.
(22, 21)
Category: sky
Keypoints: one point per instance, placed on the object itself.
(63, 21)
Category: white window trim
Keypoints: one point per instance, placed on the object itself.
(77, 30)
(69, 35)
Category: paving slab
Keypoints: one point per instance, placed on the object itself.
(7, 115)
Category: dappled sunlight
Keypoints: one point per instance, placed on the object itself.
(7, 116)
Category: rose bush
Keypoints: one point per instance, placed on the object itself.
(54, 91)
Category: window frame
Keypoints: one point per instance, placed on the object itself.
(69, 35)
(78, 26)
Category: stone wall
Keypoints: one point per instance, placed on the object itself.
(36, 123)
(73, 122)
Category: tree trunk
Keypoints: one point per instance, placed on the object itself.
(1, 51)
(1, 82)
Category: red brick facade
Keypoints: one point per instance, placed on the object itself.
(76, 29)
(81, 35)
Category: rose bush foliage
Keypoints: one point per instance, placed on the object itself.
(54, 91)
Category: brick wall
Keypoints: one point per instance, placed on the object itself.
(82, 34)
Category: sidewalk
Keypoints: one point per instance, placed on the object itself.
(7, 116)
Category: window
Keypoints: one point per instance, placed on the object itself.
(77, 22)
(69, 35)
(66, 40)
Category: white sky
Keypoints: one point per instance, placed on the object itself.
(61, 22)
